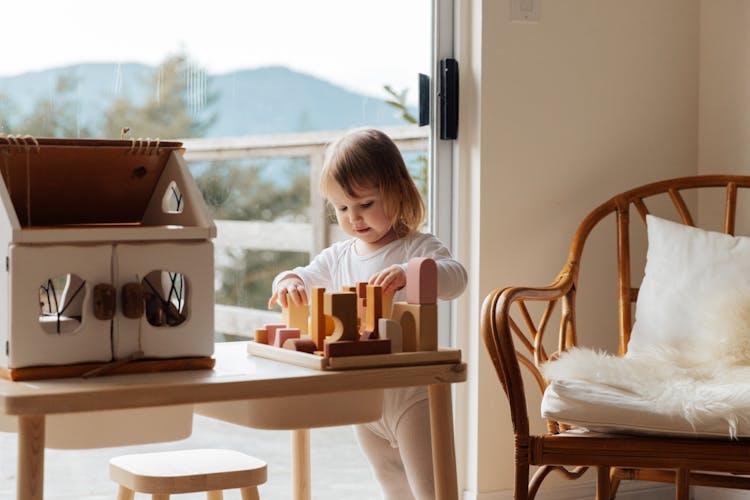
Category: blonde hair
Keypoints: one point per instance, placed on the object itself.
(367, 159)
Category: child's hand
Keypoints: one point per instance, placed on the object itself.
(290, 288)
(392, 279)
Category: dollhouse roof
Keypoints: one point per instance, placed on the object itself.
(73, 190)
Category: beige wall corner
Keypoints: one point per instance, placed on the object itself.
(556, 117)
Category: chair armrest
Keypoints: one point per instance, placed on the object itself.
(502, 334)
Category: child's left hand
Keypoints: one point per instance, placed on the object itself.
(392, 279)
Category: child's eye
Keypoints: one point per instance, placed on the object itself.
(366, 204)
(342, 209)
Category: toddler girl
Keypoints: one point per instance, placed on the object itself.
(365, 179)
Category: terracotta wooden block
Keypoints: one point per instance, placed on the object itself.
(418, 325)
(295, 316)
(302, 345)
(342, 307)
(421, 281)
(271, 329)
(284, 334)
(261, 336)
(317, 317)
(356, 348)
(349, 288)
(374, 308)
(390, 329)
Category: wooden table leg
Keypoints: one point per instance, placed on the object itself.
(443, 449)
(301, 464)
(30, 482)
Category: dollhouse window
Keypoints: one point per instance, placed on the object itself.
(172, 203)
(165, 298)
(60, 303)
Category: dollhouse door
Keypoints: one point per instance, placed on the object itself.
(51, 305)
(176, 280)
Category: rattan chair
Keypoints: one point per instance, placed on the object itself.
(514, 337)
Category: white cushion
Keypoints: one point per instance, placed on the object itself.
(690, 273)
(687, 371)
(605, 408)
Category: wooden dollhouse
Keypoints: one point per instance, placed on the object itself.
(108, 258)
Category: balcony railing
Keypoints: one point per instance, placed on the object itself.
(279, 236)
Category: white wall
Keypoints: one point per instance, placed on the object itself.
(600, 96)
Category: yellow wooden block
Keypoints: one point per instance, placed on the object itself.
(374, 309)
(295, 316)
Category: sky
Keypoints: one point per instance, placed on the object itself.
(358, 44)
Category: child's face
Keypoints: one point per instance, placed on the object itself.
(362, 217)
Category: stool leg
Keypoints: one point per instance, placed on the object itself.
(215, 495)
(124, 493)
(250, 493)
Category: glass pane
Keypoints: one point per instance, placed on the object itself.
(255, 90)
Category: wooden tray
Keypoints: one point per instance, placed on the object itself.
(318, 362)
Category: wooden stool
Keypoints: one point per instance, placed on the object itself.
(187, 471)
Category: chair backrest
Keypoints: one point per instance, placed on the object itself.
(672, 192)
(514, 331)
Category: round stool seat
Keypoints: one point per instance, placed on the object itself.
(187, 471)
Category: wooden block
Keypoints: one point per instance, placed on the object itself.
(374, 308)
(349, 289)
(390, 329)
(421, 281)
(317, 317)
(261, 336)
(271, 329)
(295, 316)
(284, 334)
(387, 309)
(302, 345)
(361, 304)
(418, 325)
(365, 335)
(342, 307)
(357, 348)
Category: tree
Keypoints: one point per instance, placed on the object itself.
(7, 110)
(422, 173)
(56, 115)
(179, 105)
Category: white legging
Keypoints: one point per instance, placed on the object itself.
(404, 473)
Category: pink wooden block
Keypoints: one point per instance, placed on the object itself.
(284, 334)
(421, 281)
(271, 329)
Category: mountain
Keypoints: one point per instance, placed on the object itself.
(268, 100)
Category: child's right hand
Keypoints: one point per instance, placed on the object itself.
(290, 288)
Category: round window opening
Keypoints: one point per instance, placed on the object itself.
(165, 298)
(60, 303)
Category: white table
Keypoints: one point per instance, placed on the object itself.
(236, 376)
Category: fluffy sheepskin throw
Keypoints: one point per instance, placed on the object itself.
(692, 381)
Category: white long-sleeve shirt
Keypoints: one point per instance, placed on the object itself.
(339, 265)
